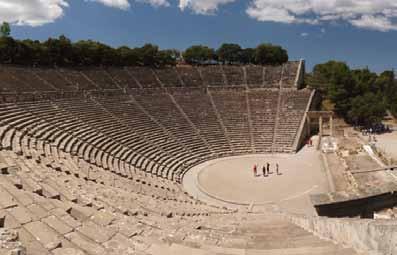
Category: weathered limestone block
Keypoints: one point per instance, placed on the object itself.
(67, 251)
(103, 218)
(85, 244)
(119, 244)
(21, 214)
(6, 200)
(81, 213)
(96, 232)
(44, 234)
(57, 224)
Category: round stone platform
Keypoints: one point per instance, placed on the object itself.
(231, 180)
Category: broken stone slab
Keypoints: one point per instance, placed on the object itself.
(9, 221)
(50, 192)
(119, 244)
(44, 234)
(33, 246)
(23, 197)
(57, 224)
(21, 214)
(6, 200)
(66, 218)
(37, 211)
(67, 251)
(95, 232)
(86, 244)
(81, 213)
(102, 218)
(31, 185)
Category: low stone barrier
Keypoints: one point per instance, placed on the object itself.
(373, 237)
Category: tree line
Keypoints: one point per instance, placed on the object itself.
(360, 96)
(62, 51)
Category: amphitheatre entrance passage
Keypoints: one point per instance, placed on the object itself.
(231, 180)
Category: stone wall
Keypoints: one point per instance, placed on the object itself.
(374, 237)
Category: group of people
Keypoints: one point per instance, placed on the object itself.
(266, 170)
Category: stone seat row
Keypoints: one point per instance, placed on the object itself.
(41, 79)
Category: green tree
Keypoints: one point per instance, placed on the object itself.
(335, 81)
(367, 110)
(60, 50)
(8, 49)
(229, 53)
(5, 29)
(168, 57)
(198, 54)
(247, 56)
(127, 56)
(148, 54)
(268, 54)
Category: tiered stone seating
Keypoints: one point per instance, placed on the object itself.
(213, 75)
(234, 75)
(263, 105)
(9, 83)
(106, 219)
(28, 77)
(54, 212)
(197, 106)
(254, 76)
(163, 109)
(101, 78)
(232, 107)
(53, 77)
(292, 108)
(290, 73)
(97, 172)
(168, 150)
(78, 80)
(272, 76)
(145, 76)
(123, 78)
(190, 76)
(168, 77)
(123, 143)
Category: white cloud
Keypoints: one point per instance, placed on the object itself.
(31, 12)
(125, 4)
(156, 3)
(202, 6)
(40, 12)
(121, 4)
(304, 34)
(378, 15)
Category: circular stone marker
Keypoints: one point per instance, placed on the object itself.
(232, 180)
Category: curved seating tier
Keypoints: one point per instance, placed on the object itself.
(21, 79)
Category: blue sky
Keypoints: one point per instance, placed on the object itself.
(365, 38)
